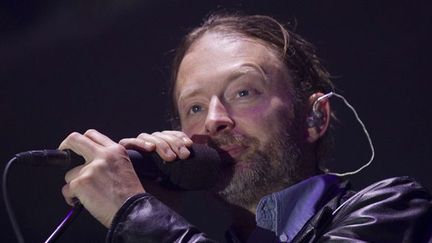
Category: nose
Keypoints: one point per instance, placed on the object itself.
(218, 118)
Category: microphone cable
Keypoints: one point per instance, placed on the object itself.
(199, 172)
(8, 206)
(70, 216)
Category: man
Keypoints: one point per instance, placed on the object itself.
(246, 86)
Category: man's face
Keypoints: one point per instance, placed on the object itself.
(237, 92)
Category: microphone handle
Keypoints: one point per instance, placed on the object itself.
(49, 158)
(198, 172)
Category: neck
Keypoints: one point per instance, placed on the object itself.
(243, 223)
(244, 216)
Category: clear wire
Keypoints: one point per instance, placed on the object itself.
(315, 107)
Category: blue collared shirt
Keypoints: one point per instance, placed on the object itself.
(287, 211)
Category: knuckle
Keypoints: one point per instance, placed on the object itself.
(98, 167)
(165, 151)
(65, 190)
(67, 177)
(74, 184)
(176, 146)
(73, 136)
(117, 149)
(179, 133)
(156, 133)
(85, 179)
(70, 139)
(90, 132)
(170, 133)
(98, 151)
(161, 144)
(131, 143)
(143, 135)
(108, 155)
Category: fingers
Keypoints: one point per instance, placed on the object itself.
(67, 194)
(171, 144)
(81, 145)
(135, 143)
(162, 147)
(67, 191)
(181, 135)
(86, 144)
(168, 144)
(99, 138)
(73, 173)
(107, 178)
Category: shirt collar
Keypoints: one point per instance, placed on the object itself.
(287, 211)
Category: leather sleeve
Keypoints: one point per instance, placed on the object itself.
(143, 218)
(393, 210)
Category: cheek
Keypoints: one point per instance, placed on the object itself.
(269, 111)
(263, 121)
(192, 128)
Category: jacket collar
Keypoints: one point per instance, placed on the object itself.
(287, 211)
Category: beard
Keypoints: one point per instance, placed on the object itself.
(259, 171)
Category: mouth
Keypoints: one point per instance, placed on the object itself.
(234, 151)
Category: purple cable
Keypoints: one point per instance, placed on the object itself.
(70, 216)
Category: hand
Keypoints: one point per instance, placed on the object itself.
(105, 181)
(170, 145)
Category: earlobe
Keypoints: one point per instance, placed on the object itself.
(318, 118)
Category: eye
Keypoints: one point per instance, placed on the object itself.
(248, 93)
(195, 109)
(243, 93)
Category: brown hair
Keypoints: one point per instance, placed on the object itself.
(308, 75)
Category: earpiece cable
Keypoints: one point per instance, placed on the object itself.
(315, 108)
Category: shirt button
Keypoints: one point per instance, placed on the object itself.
(283, 237)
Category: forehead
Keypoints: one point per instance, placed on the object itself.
(216, 54)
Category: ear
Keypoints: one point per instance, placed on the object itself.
(318, 122)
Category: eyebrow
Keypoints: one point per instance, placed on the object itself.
(186, 94)
(243, 69)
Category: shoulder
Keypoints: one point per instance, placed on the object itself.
(387, 211)
(398, 189)
(391, 193)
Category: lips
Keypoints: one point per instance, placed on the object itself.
(233, 150)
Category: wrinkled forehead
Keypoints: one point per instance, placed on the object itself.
(216, 53)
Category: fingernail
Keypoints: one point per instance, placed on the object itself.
(184, 152)
(187, 140)
(148, 144)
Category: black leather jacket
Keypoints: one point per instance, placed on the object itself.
(392, 210)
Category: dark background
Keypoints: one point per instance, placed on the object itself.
(72, 65)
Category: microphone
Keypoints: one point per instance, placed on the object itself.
(198, 172)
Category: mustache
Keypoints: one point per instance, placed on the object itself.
(230, 138)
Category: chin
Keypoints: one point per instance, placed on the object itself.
(240, 166)
(237, 184)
